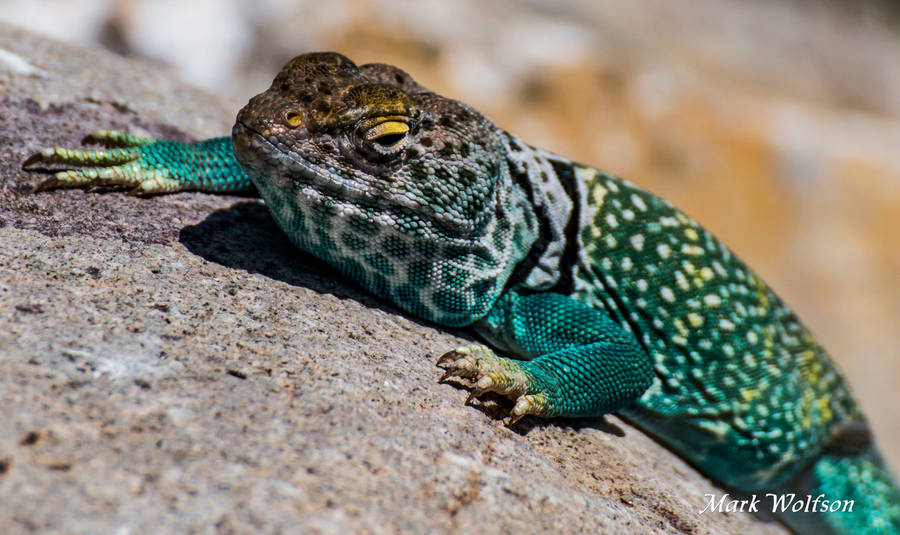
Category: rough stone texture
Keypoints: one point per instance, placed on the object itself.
(174, 365)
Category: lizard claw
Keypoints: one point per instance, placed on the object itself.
(528, 404)
(491, 373)
(463, 361)
(485, 384)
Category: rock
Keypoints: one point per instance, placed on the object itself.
(174, 365)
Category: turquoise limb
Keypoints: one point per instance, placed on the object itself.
(582, 362)
(149, 166)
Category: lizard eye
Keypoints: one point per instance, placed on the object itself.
(382, 139)
(387, 133)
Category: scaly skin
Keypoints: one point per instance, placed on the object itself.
(601, 296)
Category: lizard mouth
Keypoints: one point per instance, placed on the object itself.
(288, 169)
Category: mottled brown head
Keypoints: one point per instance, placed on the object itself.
(367, 110)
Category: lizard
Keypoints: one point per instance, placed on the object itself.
(593, 296)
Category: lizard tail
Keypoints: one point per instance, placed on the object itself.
(848, 494)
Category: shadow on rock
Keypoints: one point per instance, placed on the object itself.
(246, 237)
(498, 407)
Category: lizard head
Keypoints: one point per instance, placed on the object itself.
(403, 190)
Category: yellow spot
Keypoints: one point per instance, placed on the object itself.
(693, 250)
(707, 273)
(688, 267)
(824, 407)
(598, 193)
(696, 320)
(682, 281)
(750, 394)
(691, 234)
(679, 326)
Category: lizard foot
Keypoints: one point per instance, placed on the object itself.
(491, 373)
(124, 165)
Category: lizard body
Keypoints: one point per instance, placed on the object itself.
(607, 297)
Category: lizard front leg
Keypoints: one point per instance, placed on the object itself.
(149, 166)
(582, 363)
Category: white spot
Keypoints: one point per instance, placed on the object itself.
(606, 263)
(612, 221)
(696, 320)
(749, 361)
(719, 269)
(637, 241)
(638, 202)
(728, 350)
(667, 294)
(628, 214)
(663, 250)
(612, 186)
(642, 285)
(627, 264)
(726, 325)
(611, 241)
(668, 221)
(712, 300)
(679, 340)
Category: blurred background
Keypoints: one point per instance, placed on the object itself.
(776, 124)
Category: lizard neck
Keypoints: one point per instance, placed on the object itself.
(553, 189)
